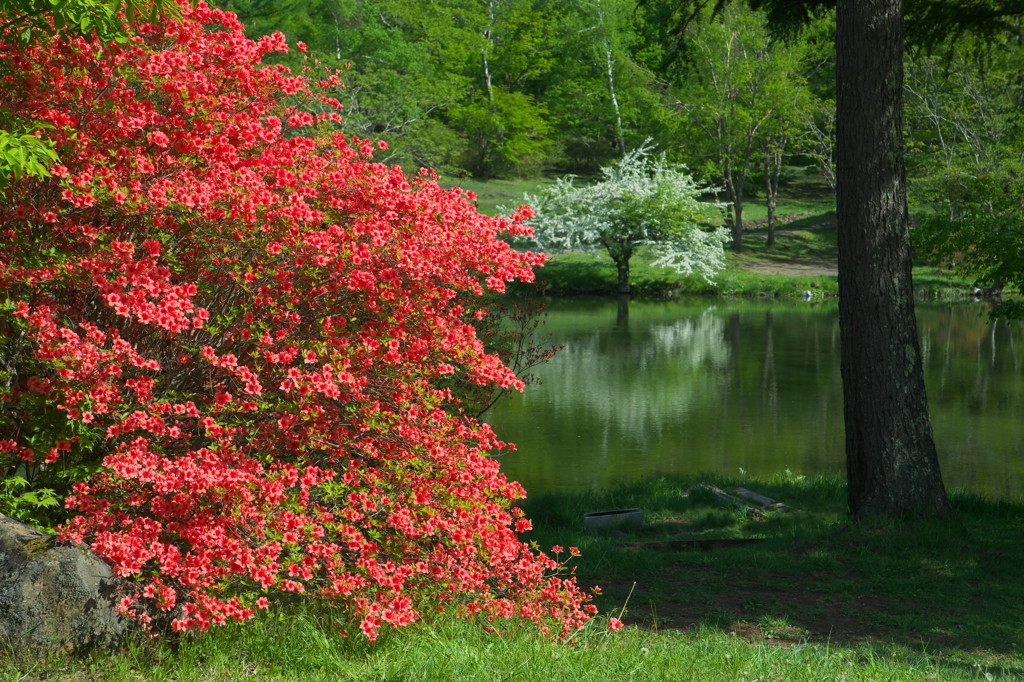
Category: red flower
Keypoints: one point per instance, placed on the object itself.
(258, 328)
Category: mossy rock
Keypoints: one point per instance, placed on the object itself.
(55, 596)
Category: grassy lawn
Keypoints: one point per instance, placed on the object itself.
(806, 235)
(813, 237)
(756, 271)
(756, 211)
(817, 597)
(492, 194)
(946, 584)
(941, 590)
(583, 273)
(803, 259)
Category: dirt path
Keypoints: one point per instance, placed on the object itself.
(793, 268)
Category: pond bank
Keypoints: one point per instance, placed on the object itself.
(579, 274)
(803, 259)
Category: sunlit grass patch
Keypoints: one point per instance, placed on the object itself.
(492, 195)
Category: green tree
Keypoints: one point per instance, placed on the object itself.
(603, 98)
(643, 200)
(787, 130)
(965, 125)
(501, 49)
(744, 102)
(975, 225)
(963, 108)
(506, 134)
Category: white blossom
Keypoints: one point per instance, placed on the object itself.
(641, 200)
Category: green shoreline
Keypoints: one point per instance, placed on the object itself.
(580, 274)
(802, 240)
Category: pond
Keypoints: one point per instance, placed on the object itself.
(725, 386)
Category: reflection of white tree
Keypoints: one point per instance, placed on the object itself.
(664, 374)
(630, 402)
(694, 342)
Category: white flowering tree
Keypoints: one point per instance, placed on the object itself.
(642, 200)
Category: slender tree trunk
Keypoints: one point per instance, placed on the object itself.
(734, 194)
(485, 62)
(609, 64)
(737, 226)
(892, 467)
(824, 151)
(772, 170)
(337, 39)
(486, 165)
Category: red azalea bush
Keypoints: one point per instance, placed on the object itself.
(250, 327)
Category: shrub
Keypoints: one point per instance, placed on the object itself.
(236, 332)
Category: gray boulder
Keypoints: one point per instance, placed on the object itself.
(54, 596)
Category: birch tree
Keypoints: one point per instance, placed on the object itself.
(602, 17)
(602, 99)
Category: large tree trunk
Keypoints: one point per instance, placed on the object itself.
(892, 467)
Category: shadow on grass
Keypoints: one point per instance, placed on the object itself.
(813, 238)
(940, 584)
(574, 274)
(818, 221)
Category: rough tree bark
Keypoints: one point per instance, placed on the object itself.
(892, 466)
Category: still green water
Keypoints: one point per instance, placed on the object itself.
(747, 386)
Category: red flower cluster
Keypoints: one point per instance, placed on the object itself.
(257, 325)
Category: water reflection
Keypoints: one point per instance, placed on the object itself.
(976, 392)
(644, 388)
(602, 381)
